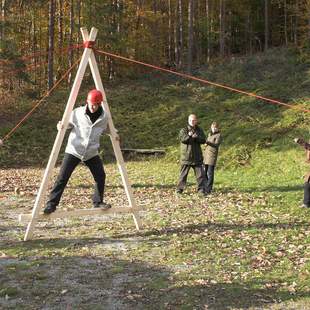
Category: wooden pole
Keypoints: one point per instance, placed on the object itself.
(60, 136)
(88, 56)
(113, 134)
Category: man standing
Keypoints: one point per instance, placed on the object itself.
(210, 155)
(191, 138)
(306, 202)
(87, 123)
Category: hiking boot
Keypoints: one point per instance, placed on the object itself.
(49, 209)
(179, 191)
(102, 205)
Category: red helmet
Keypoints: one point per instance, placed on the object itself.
(95, 96)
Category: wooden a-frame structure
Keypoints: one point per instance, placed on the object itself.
(87, 57)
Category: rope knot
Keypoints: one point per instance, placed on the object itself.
(89, 44)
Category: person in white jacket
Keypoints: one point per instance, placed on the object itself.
(87, 124)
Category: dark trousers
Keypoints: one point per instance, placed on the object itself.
(307, 194)
(68, 165)
(209, 171)
(199, 173)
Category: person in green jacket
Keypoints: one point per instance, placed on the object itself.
(210, 155)
(191, 138)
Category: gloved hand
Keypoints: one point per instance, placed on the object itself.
(59, 126)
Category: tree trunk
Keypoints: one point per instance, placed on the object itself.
(292, 28)
(285, 23)
(208, 30)
(138, 8)
(42, 73)
(3, 14)
(176, 38)
(169, 33)
(249, 33)
(34, 45)
(230, 40)
(190, 36)
(50, 76)
(60, 36)
(309, 25)
(71, 30)
(180, 47)
(222, 28)
(138, 21)
(119, 11)
(155, 6)
(296, 23)
(79, 17)
(60, 23)
(196, 34)
(266, 25)
(308, 18)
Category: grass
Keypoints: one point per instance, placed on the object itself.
(246, 246)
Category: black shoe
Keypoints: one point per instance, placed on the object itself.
(102, 205)
(179, 191)
(49, 209)
(202, 193)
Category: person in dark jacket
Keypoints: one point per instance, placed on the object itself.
(191, 138)
(210, 155)
(306, 202)
(87, 124)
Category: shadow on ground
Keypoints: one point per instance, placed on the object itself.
(96, 282)
(217, 227)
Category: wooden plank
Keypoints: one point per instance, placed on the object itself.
(114, 139)
(78, 213)
(143, 151)
(60, 136)
(88, 57)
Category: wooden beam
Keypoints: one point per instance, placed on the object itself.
(60, 136)
(87, 57)
(77, 213)
(114, 137)
(144, 151)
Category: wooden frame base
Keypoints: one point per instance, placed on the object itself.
(77, 213)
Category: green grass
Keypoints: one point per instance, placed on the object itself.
(245, 246)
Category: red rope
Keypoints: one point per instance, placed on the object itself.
(38, 103)
(31, 67)
(27, 68)
(89, 44)
(190, 77)
(61, 50)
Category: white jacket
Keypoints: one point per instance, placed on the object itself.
(84, 138)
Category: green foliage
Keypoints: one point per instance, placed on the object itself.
(11, 61)
(150, 111)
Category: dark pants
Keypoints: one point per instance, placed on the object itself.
(199, 173)
(68, 165)
(209, 171)
(307, 194)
